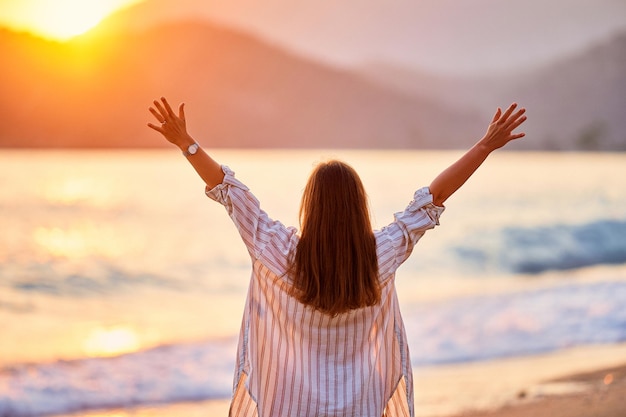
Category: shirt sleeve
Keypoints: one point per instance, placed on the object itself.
(395, 242)
(266, 239)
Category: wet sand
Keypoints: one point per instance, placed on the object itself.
(604, 396)
(477, 389)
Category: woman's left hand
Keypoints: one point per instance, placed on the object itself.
(173, 127)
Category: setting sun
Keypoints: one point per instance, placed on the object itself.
(58, 19)
(111, 341)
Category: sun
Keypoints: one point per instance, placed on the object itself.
(58, 20)
(111, 341)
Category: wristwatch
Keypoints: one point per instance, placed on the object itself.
(192, 149)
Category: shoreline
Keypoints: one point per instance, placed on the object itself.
(579, 382)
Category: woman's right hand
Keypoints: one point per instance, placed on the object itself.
(500, 131)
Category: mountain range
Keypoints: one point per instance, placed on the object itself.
(576, 103)
(241, 91)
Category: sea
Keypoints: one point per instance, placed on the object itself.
(122, 285)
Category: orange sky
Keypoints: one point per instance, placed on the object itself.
(57, 19)
(458, 37)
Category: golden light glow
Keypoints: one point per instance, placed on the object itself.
(83, 239)
(111, 341)
(74, 239)
(58, 19)
(63, 243)
(75, 190)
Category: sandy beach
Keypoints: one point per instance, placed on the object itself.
(604, 395)
(577, 382)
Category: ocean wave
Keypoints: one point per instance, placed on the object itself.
(176, 373)
(102, 280)
(517, 324)
(536, 250)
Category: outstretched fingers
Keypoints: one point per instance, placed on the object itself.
(508, 112)
(168, 108)
(157, 115)
(155, 127)
(517, 119)
(514, 122)
(161, 110)
(497, 115)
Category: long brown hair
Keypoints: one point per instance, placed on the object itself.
(335, 268)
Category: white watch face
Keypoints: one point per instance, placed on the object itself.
(192, 149)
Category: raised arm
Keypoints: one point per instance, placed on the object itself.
(499, 133)
(174, 128)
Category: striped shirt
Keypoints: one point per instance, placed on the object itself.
(293, 360)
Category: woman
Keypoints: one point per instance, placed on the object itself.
(322, 333)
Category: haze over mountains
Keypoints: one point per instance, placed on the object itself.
(457, 37)
(577, 103)
(239, 93)
(243, 92)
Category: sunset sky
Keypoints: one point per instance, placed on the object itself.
(453, 36)
(57, 19)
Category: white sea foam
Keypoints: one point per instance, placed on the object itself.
(166, 374)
